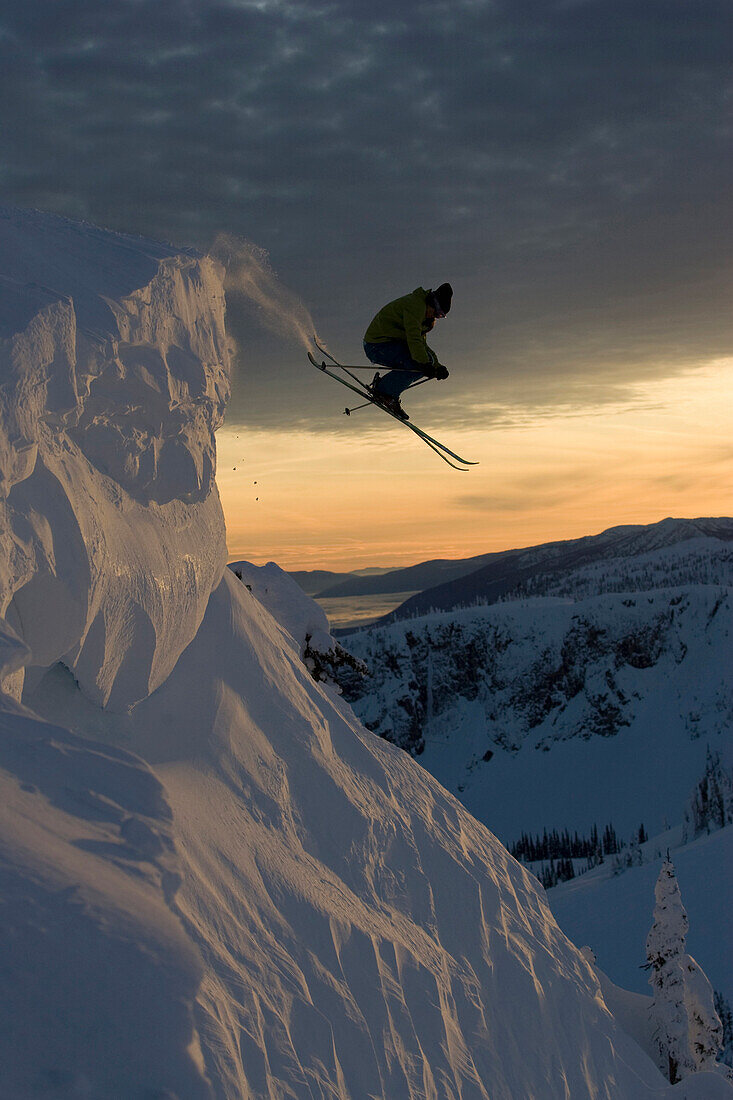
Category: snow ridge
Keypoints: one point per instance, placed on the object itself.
(111, 534)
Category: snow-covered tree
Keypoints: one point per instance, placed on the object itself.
(706, 1029)
(331, 664)
(629, 857)
(710, 805)
(665, 951)
(687, 1030)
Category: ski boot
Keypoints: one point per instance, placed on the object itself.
(391, 404)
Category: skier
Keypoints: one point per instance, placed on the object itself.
(396, 339)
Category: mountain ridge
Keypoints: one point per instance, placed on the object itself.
(511, 568)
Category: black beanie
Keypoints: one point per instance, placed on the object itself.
(443, 296)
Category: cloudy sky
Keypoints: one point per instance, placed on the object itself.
(565, 165)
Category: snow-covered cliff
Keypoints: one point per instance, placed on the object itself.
(232, 888)
(556, 713)
(113, 378)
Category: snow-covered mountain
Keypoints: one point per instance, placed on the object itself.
(313, 581)
(425, 574)
(543, 570)
(551, 712)
(446, 583)
(215, 881)
(609, 907)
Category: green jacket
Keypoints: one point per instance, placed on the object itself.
(403, 319)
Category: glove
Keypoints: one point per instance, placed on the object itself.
(441, 372)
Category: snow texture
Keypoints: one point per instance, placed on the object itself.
(113, 377)
(361, 933)
(232, 888)
(300, 616)
(302, 619)
(97, 975)
(631, 1011)
(539, 710)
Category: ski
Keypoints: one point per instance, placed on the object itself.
(440, 449)
(363, 392)
(359, 388)
(418, 431)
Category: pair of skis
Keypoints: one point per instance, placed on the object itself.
(358, 387)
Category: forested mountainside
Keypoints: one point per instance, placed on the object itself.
(493, 700)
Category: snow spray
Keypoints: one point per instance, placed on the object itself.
(250, 277)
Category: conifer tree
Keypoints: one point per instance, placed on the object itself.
(710, 805)
(687, 1030)
(665, 948)
(706, 1029)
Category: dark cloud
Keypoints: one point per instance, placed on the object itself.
(562, 163)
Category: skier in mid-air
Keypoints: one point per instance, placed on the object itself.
(396, 339)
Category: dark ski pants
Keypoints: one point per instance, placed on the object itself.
(394, 353)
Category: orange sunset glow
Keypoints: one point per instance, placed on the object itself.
(352, 498)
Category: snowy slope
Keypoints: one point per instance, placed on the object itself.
(300, 616)
(632, 1013)
(553, 713)
(97, 974)
(230, 889)
(303, 620)
(362, 934)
